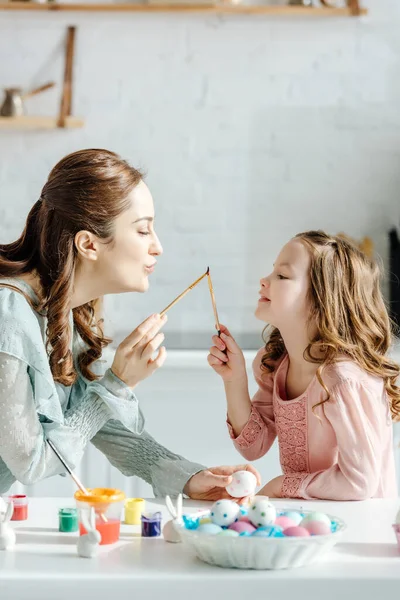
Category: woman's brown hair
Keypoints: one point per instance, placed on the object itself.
(86, 190)
(348, 311)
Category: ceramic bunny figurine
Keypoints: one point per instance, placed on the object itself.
(7, 534)
(88, 544)
(171, 528)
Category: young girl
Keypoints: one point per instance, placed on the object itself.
(327, 388)
(90, 233)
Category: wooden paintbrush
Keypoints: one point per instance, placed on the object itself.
(214, 304)
(184, 293)
(72, 474)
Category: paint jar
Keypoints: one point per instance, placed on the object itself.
(68, 520)
(151, 524)
(133, 510)
(108, 504)
(20, 502)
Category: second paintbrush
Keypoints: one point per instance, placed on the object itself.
(214, 304)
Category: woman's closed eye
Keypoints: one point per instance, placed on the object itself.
(279, 276)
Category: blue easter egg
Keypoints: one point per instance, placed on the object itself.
(269, 531)
(209, 528)
(228, 533)
(244, 534)
(294, 515)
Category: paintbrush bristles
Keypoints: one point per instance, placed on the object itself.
(162, 313)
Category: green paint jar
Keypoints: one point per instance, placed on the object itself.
(68, 520)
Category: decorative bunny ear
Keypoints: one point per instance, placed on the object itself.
(170, 507)
(85, 518)
(9, 512)
(179, 507)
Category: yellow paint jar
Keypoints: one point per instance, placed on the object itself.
(134, 507)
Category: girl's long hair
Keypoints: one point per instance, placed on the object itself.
(348, 312)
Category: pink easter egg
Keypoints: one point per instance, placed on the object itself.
(245, 519)
(317, 528)
(296, 531)
(242, 526)
(285, 522)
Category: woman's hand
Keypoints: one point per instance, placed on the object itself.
(273, 489)
(226, 358)
(133, 359)
(211, 483)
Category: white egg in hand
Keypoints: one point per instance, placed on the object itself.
(225, 512)
(243, 484)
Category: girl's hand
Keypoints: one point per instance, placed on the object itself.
(226, 358)
(273, 489)
(133, 359)
(211, 483)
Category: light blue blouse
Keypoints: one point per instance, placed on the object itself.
(33, 407)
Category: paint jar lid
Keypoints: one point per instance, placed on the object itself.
(132, 502)
(67, 513)
(19, 499)
(151, 517)
(100, 495)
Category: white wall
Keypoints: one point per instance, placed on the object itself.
(251, 129)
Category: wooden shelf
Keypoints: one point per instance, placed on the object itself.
(287, 11)
(31, 122)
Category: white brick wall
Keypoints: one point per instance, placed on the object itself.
(251, 129)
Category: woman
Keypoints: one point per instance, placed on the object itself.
(91, 233)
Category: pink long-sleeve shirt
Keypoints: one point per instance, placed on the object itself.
(345, 454)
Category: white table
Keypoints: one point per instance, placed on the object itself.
(44, 565)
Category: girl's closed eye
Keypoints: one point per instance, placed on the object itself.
(144, 232)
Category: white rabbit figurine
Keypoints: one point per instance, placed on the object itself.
(171, 528)
(7, 534)
(88, 544)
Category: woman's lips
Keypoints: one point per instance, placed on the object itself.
(263, 300)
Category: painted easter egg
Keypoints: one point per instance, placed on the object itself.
(244, 518)
(285, 522)
(243, 484)
(269, 531)
(228, 533)
(317, 528)
(224, 512)
(262, 512)
(210, 528)
(316, 516)
(296, 531)
(293, 515)
(205, 520)
(241, 526)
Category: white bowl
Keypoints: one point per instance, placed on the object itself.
(259, 552)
